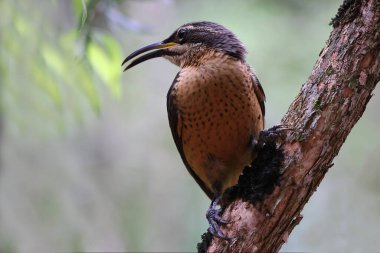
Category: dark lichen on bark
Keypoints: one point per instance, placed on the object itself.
(346, 12)
(205, 243)
(260, 178)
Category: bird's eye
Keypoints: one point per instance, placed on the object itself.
(181, 35)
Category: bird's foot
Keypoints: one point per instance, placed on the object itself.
(214, 219)
(270, 135)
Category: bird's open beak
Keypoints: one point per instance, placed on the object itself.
(151, 55)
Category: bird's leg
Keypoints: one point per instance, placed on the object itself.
(214, 219)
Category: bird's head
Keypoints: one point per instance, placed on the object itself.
(190, 44)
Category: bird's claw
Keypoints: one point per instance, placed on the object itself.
(214, 215)
(272, 133)
(214, 219)
(218, 233)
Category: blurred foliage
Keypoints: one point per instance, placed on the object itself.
(89, 164)
(92, 55)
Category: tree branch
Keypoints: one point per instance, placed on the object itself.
(328, 106)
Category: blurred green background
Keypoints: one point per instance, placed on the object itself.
(87, 158)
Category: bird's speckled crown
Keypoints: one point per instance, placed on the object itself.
(211, 35)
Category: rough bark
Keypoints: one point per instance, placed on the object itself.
(329, 104)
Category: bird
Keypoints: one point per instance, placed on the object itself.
(215, 105)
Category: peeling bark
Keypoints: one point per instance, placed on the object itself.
(328, 106)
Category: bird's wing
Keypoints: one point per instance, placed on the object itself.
(176, 128)
(259, 92)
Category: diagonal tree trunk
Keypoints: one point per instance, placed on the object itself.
(328, 106)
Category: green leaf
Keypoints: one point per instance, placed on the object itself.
(84, 13)
(114, 51)
(106, 63)
(87, 86)
(53, 60)
(80, 11)
(44, 80)
(22, 27)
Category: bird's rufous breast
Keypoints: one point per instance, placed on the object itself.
(219, 114)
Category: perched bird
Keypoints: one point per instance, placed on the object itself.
(215, 106)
